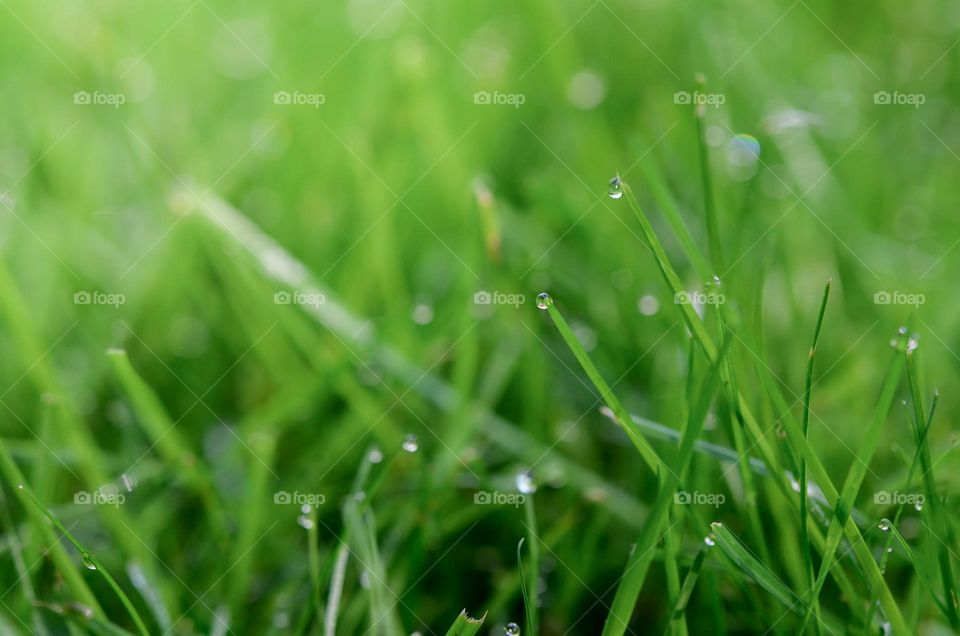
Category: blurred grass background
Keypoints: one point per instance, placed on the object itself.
(404, 197)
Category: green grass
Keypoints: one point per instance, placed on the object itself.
(231, 303)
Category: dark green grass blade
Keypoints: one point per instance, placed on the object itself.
(638, 565)
(934, 510)
(805, 549)
(466, 626)
(678, 616)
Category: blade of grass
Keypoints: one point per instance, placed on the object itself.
(924, 580)
(935, 512)
(854, 479)
(638, 564)
(623, 417)
(336, 590)
(678, 616)
(670, 549)
(530, 592)
(709, 203)
(89, 560)
(808, 387)
(466, 626)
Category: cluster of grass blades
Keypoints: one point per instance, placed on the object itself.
(823, 534)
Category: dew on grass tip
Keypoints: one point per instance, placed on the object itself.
(525, 483)
(710, 540)
(305, 522)
(410, 444)
(544, 300)
(375, 456)
(884, 524)
(512, 629)
(615, 189)
(88, 561)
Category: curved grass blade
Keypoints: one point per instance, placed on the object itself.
(805, 550)
(90, 561)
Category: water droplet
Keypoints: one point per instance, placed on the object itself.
(889, 549)
(918, 506)
(375, 456)
(615, 189)
(88, 561)
(422, 314)
(359, 496)
(710, 540)
(19, 486)
(781, 432)
(525, 483)
(410, 443)
(884, 524)
(305, 522)
(512, 629)
(129, 482)
(913, 342)
(544, 300)
(902, 331)
(306, 508)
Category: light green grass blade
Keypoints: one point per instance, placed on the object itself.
(466, 626)
(623, 417)
(678, 616)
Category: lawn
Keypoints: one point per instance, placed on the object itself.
(393, 316)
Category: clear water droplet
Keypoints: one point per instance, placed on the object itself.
(410, 443)
(375, 456)
(913, 342)
(525, 483)
(88, 561)
(305, 522)
(902, 331)
(359, 496)
(884, 524)
(306, 508)
(544, 300)
(512, 629)
(918, 506)
(615, 189)
(710, 540)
